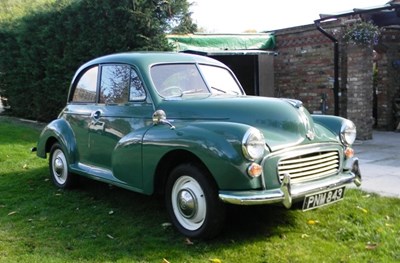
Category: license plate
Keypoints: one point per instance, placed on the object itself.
(323, 198)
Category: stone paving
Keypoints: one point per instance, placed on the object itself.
(380, 163)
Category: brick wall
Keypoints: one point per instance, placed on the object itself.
(388, 85)
(383, 109)
(304, 70)
(304, 67)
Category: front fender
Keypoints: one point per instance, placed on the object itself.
(216, 144)
(58, 130)
(332, 123)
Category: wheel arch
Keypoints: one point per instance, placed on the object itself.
(214, 146)
(49, 143)
(170, 161)
(60, 132)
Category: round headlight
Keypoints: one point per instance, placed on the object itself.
(253, 144)
(348, 132)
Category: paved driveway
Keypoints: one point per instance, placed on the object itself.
(380, 163)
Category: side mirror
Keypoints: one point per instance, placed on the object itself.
(159, 117)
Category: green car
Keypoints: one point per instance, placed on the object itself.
(181, 125)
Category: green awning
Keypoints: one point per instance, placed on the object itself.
(213, 42)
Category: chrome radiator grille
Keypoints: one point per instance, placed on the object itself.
(310, 166)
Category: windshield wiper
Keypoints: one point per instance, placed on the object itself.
(224, 91)
(220, 90)
(193, 91)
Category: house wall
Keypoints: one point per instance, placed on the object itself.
(304, 70)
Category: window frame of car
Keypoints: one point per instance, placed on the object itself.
(97, 100)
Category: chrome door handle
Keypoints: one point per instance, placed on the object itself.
(95, 116)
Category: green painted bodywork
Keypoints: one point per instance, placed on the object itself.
(125, 148)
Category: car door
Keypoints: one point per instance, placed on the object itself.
(82, 104)
(123, 109)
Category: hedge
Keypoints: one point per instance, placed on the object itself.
(40, 51)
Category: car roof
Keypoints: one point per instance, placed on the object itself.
(146, 59)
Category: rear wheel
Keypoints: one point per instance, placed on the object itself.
(59, 169)
(192, 202)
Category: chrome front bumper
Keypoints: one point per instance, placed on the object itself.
(288, 192)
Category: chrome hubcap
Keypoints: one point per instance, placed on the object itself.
(58, 166)
(187, 203)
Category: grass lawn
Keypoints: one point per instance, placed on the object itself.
(98, 223)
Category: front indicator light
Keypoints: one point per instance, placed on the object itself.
(349, 153)
(254, 170)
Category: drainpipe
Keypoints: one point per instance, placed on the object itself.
(336, 65)
(390, 6)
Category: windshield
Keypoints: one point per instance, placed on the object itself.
(220, 80)
(176, 80)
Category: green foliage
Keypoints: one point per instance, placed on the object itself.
(40, 51)
(12, 10)
(96, 223)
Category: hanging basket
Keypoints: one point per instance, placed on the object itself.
(362, 33)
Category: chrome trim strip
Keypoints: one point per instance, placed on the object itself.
(304, 149)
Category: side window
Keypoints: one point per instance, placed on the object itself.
(114, 84)
(85, 90)
(120, 83)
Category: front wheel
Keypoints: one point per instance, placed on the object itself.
(192, 202)
(59, 169)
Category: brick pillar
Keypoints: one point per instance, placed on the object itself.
(388, 84)
(383, 88)
(359, 89)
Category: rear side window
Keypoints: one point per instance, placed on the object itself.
(85, 90)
